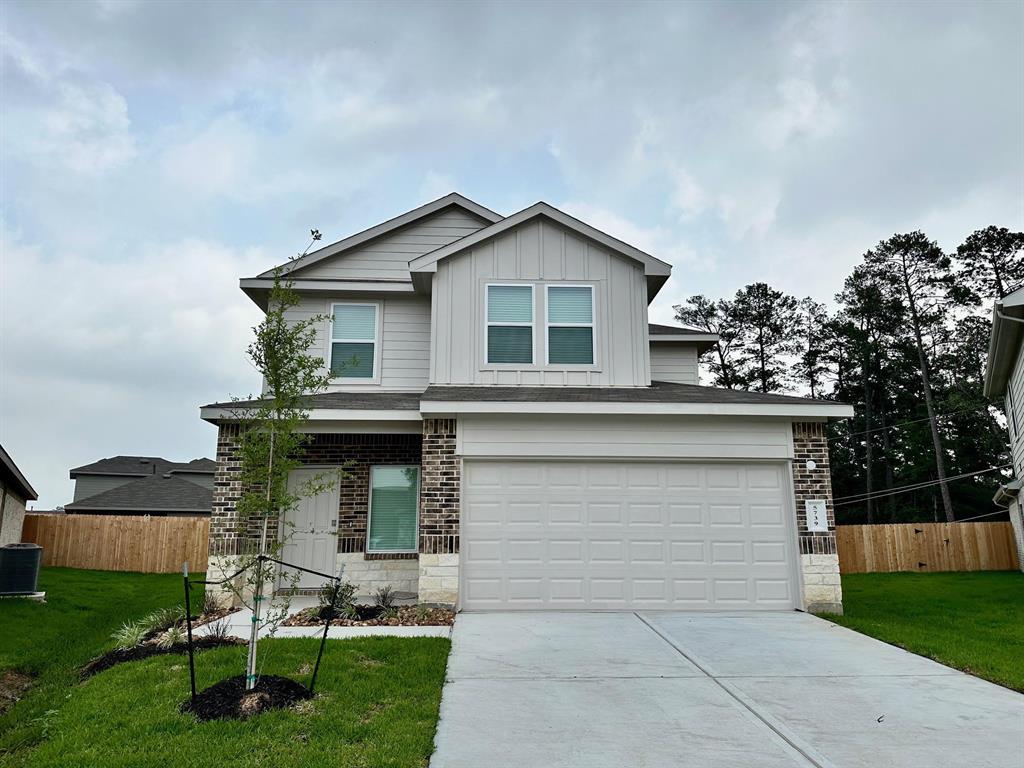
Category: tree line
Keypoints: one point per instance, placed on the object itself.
(906, 345)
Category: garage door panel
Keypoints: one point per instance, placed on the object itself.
(616, 536)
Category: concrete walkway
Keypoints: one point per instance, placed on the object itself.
(607, 690)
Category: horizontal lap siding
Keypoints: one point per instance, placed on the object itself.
(674, 361)
(1016, 389)
(387, 258)
(540, 251)
(405, 345)
(624, 436)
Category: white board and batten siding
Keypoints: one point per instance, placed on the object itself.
(405, 339)
(387, 258)
(674, 361)
(540, 251)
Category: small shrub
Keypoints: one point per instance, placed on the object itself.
(390, 612)
(163, 619)
(422, 612)
(175, 635)
(343, 603)
(210, 603)
(218, 629)
(384, 599)
(130, 634)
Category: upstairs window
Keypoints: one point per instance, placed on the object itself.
(510, 324)
(570, 324)
(354, 341)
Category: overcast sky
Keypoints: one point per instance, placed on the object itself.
(153, 153)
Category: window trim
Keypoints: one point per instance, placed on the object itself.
(532, 324)
(377, 317)
(369, 510)
(592, 325)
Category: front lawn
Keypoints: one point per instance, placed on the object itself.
(970, 621)
(376, 705)
(50, 640)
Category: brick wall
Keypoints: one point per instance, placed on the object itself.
(439, 489)
(355, 451)
(358, 453)
(810, 444)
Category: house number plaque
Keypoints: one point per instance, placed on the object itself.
(817, 516)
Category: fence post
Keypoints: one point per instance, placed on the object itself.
(188, 624)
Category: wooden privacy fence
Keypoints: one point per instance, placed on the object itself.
(120, 543)
(926, 547)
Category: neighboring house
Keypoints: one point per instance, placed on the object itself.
(1004, 377)
(521, 437)
(15, 491)
(143, 485)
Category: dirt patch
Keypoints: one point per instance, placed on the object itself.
(121, 655)
(228, 699)
(370, 616)
(12, 687)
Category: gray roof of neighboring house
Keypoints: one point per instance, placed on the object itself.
(673, 330)
(11, 476)
(143, 465)
(156, 493)
(658, 392)
(361, 401)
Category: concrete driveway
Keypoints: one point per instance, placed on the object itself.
(625, 690)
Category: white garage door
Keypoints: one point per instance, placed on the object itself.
(619, 535)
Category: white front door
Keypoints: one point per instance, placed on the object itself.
(627, 535)
(310, 540)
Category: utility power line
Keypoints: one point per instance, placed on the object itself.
(905, 423)
(862, 497)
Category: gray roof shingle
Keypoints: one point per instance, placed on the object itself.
(669, 330)
(143, 465)
(153, 493)
(658, 392)
(362, 401)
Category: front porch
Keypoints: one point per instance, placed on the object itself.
(411, 546)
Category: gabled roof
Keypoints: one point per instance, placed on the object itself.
(156, 493)
(141, 466)
(1005, 341)
(656, 270)
(12, 477)
(409, 217)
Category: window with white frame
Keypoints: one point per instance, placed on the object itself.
(394, 503)
(509, 324)
(570, 326)
(354, 340)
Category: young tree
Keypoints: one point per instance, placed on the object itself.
(270, 439)
(916, 271)
(991, 263)
(716, 317)
(766, 323)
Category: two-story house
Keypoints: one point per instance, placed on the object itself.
(1004, 377)
(143, 485)
(521, 437)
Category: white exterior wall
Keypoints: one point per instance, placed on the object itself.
(540, 250)
(674, 361)
(1015, 413)
(12, 516)
(609, 436)
(405, 339)
(387, 258)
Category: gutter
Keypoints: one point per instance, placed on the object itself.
(1007, 493)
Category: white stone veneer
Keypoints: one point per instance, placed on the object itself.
(439, 578)
(823, 591)
(371, 575)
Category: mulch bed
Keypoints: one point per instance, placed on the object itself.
(12, 687)
(121, 655)
(370, 616)
(228, 699)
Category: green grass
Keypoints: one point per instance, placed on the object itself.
(51, 640)
(377, 706)
(377, 702)
(970, 621)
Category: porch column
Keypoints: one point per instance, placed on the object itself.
(226, 540)
(819, 561)
(440, 479)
